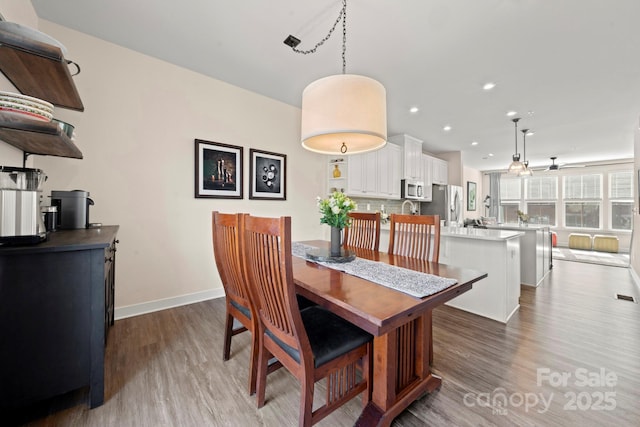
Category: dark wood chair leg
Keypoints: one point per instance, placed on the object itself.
(228, 333)
(263, 360)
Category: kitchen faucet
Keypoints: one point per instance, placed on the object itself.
(412, 209)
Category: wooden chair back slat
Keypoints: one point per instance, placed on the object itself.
(363, 231)
(416, 236)
(226, 249)
(267, 240)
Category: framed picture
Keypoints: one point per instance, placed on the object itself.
(471, 196)
(267, 175)
(218, 170)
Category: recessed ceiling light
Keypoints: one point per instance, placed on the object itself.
(447, 128)
(489, 86)
(511, 113)
(474, 143)
(414, 110)
(490, 154)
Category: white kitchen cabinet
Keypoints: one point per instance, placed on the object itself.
(376, 174)
(389, 171)
(440, 171)
(412, 156)
(427, 167)
(361, 175)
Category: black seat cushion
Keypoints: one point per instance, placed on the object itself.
(244, 310)
(304, 302)
(330, 336)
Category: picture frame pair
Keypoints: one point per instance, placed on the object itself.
(219, 171)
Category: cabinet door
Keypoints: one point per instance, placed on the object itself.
(440, 173)
(355, 175)
(412, 159)
(427, 167)
(389, 166)
(370, 172)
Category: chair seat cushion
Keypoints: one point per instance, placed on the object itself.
(330, 335)
(244, 310)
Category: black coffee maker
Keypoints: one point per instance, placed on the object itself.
(73, 208)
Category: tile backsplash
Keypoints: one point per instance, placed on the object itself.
(390, 206)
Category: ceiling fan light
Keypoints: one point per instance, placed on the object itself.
(344, 114)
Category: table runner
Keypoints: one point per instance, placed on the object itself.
(414, 283)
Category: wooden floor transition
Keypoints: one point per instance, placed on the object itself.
(569, 357)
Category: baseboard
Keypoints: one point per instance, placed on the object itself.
(163, 304)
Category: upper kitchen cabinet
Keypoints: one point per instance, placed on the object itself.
(375, 174)
(389, 171)
(440, 171)
(412, 156)
(427, 168)
(35, 65)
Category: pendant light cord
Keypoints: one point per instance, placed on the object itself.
(341, 17)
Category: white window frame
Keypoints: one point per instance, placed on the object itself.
(581, 199)
(617, 198)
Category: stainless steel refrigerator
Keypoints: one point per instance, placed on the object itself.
(447, 201)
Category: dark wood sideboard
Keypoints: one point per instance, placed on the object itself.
(56, 307)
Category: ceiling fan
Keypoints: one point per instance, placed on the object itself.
(554, 167)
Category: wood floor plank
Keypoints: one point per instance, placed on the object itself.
(166, 368)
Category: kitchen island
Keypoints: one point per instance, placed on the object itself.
(496, 252)
(535, 251)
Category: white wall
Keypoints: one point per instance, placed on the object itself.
(21, 12)
(137, 137)
(473, 175)
(635, 242)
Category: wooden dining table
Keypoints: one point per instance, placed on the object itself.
(400, 324)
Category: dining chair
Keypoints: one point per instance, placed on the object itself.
(416, 236)
(240, 315)
(363, 231)
(312, 344)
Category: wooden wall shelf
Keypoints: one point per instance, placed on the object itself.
(37, 137)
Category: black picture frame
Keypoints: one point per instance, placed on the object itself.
(218, 170)
(472, 195)
(267, 175)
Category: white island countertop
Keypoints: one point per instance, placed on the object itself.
(473, 233)
(516, 226)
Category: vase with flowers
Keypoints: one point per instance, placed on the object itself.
(523, 218)
(335, 210)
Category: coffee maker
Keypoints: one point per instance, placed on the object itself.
(20, 218)
(73, 208)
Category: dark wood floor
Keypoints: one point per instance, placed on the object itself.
(166, 368)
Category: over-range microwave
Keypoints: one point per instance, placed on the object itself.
(412, 189)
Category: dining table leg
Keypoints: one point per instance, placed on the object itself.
(401, 371)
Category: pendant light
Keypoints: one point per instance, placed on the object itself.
(516, 166)
(344, 113)
(526, 171)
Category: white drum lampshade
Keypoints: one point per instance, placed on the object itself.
(344, 114)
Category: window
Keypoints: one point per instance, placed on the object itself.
(582, 201)
(621, 199)
(510, 190)
(541, 194)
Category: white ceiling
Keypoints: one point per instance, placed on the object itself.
(571, 68)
